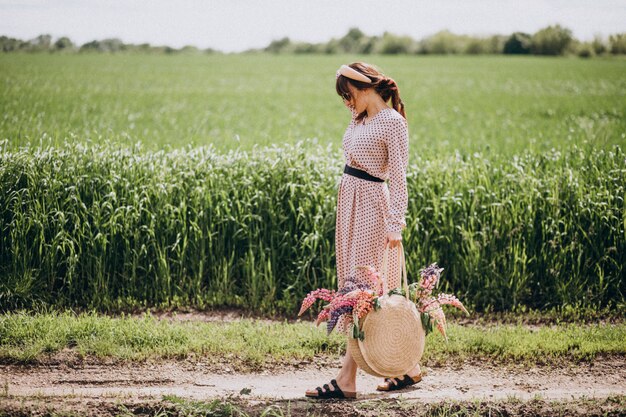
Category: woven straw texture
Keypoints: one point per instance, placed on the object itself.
(355, 351)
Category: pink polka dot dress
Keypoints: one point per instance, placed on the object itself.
(367, 210)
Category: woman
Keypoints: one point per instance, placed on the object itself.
(370, 213)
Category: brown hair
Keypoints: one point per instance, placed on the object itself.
(385, 87)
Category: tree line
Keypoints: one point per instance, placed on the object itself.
(551, 40)
(44, 43)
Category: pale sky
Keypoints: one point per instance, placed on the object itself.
(236, 25)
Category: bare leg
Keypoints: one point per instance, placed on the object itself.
(346, 378)
(412, 373)
(415, 371)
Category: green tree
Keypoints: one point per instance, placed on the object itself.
(63, 43)
(477, 46)
(394, 44)
(105, 45)
(618, 43)
(599, 45)
(41, 43)
(495, 43)
(90, 46)
(278, 46)
(331, 47)
(552, 40)
(584, 49)
(442, 42)
(189, 49)
(9, 44)
(112, 45)
(517, 43)
(367, 44)
(349, 43)
(304, 48)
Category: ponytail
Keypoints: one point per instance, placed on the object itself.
(388, 89)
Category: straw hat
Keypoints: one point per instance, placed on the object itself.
(394, 337)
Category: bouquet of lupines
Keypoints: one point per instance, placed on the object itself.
(429, 305)
(354, 300)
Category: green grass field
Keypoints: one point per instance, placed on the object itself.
(249, 344)
(516, 180)
(134, 181)
(495, 103)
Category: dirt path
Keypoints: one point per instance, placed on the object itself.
(195, 381)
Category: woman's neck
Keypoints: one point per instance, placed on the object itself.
(374, 107)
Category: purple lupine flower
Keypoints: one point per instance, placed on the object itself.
(431, 269)
(348, 286)
(351, 284)
(430, 277)
(335, 314)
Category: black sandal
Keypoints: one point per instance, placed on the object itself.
(328, 393)
(400, 383)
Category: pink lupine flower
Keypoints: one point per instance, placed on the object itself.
(440, 321)
(322, 316)
(430, 277)
(353, 294)
(321, 293)
(340, 301)
(452, 300)
(427, 303)
(364, 304)
(427, 283)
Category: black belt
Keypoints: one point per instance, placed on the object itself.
(361, 174)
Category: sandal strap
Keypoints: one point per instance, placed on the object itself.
(407, 379)
(328, 393)
(337, 389)
(398, 382)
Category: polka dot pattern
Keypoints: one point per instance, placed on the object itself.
(367, 210)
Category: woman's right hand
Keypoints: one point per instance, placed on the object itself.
(393, 239)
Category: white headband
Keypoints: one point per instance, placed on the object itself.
(351, 73)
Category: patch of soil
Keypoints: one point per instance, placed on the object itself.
(530, 319)
(69, 358)
(202, 380)
(221, 315)
(612, 406)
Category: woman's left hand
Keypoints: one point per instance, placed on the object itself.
(394, 237)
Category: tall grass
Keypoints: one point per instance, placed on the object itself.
(110, 226)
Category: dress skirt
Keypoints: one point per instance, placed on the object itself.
(360, 233)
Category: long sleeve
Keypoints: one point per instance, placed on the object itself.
(398, 154)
